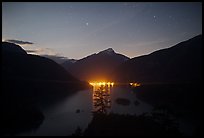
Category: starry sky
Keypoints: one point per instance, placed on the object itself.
(75, 30)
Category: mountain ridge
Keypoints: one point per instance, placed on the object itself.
(17, 63)
(172, 64)
(96, 66)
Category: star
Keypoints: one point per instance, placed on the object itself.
(154, 16)
(87, 24)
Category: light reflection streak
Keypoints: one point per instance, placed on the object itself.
(101, 96)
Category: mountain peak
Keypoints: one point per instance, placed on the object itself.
(11, 47)
(108, 51)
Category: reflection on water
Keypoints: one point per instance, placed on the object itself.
(61, 119)
(101, 98)
(106, 94)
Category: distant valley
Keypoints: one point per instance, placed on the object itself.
(179, 63)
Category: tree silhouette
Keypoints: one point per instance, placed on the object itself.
(101, 99)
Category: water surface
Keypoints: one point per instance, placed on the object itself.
(64, 117)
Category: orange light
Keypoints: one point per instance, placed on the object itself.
(133, 84)
(92, 83)
(101, 83)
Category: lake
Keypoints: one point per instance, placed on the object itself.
(64, 117)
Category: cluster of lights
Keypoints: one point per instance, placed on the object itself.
(101, 83)
(135, 84)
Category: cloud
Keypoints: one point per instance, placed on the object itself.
(57, 58)
(41, 51)
(35, 50)
(19, 42)
(48, 53)
(31, 51)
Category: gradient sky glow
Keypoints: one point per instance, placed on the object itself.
(75, 30)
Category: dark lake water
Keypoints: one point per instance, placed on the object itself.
(64, 117)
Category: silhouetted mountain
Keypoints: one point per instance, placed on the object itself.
(59, 59)
(180, 63)
(68, 63)
(12, 48)
(96, 66)
(21, 71)
(16, 63)
(28, 83)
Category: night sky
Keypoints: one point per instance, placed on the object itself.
(75, 30)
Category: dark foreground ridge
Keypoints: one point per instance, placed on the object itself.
(30, 82)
